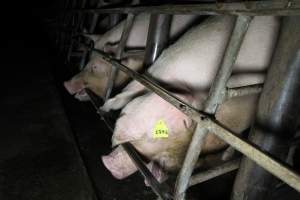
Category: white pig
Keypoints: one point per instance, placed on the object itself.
(188, 68)
(96, 73)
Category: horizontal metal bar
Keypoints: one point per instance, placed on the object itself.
(244, 90)
(252, 8)
(214, 172)
(267, 162)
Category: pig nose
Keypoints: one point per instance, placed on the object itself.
(69, 87)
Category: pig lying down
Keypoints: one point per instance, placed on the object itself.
(97, 71)
(188, 68)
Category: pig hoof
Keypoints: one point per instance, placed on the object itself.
(112, 104)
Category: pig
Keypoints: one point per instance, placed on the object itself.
(187, 69)
(96, 73)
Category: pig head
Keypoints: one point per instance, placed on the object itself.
(95, 77)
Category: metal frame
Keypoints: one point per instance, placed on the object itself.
(218, 92)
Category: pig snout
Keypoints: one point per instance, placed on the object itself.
(73, 86)
(119, 163)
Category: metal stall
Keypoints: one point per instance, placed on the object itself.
(260, 151)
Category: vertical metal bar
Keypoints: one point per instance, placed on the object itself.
(158, 36)
(157, 40)
(126, 30)
(95, 17)
(277, 114)
(216, 96)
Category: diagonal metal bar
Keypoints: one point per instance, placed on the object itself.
(216, 95)
(251, 8)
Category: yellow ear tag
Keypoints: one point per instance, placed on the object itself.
(160, 130)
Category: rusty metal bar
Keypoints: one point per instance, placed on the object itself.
(216, 95)
(126, 30)
(214, 172)
(244, 90)
(277, 114)
(251, 8)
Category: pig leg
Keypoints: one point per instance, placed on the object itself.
(131, 91)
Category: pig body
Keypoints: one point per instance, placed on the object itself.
(187, 69)
(96, 73)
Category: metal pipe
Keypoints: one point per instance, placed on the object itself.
(280, 170)
(252, 8)
(215, 97)
(214, 172)
(190, 160)
(218, 89)
(158, 36)
(96, 17)
(244, 90)
(126, 30)
(277, 114)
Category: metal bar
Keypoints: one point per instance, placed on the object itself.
(160, 189)
(214, 172)
(95, 17)
(125, 34)
(193, 152)
(251, 8)
(158, 37)
(244, 90)
(277, 114)
(156, 186)
(218, 89)
(216, 95)
(278, 169)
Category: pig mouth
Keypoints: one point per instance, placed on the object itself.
(81, 95)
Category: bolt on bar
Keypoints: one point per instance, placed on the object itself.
(278, 169)
(126, 30)
(214, 172)
(252, 8)
(215, 97)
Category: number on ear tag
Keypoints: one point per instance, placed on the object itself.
(160, 130)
